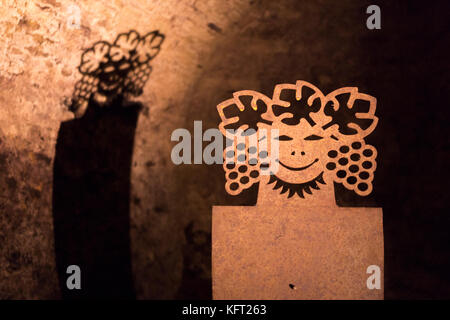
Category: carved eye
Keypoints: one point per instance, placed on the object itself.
(283, 138)
(313, 137)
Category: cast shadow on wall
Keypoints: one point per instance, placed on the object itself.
(91, 188)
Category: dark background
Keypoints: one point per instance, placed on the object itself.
(404, 66)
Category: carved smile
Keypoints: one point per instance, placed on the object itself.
(298, 169)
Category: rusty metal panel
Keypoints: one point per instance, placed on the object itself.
(279, 252)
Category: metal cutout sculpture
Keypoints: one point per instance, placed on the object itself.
(295, 146)
(321, 138)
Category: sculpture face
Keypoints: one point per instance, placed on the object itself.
(115, 70)
(320, 138)
(300, 158)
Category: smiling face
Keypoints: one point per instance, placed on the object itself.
(302, 150)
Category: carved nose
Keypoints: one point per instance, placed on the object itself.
(293, 153)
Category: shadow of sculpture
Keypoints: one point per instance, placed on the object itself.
(91, 189)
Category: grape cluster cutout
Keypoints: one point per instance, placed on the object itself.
(354, 166)
(243, 166)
